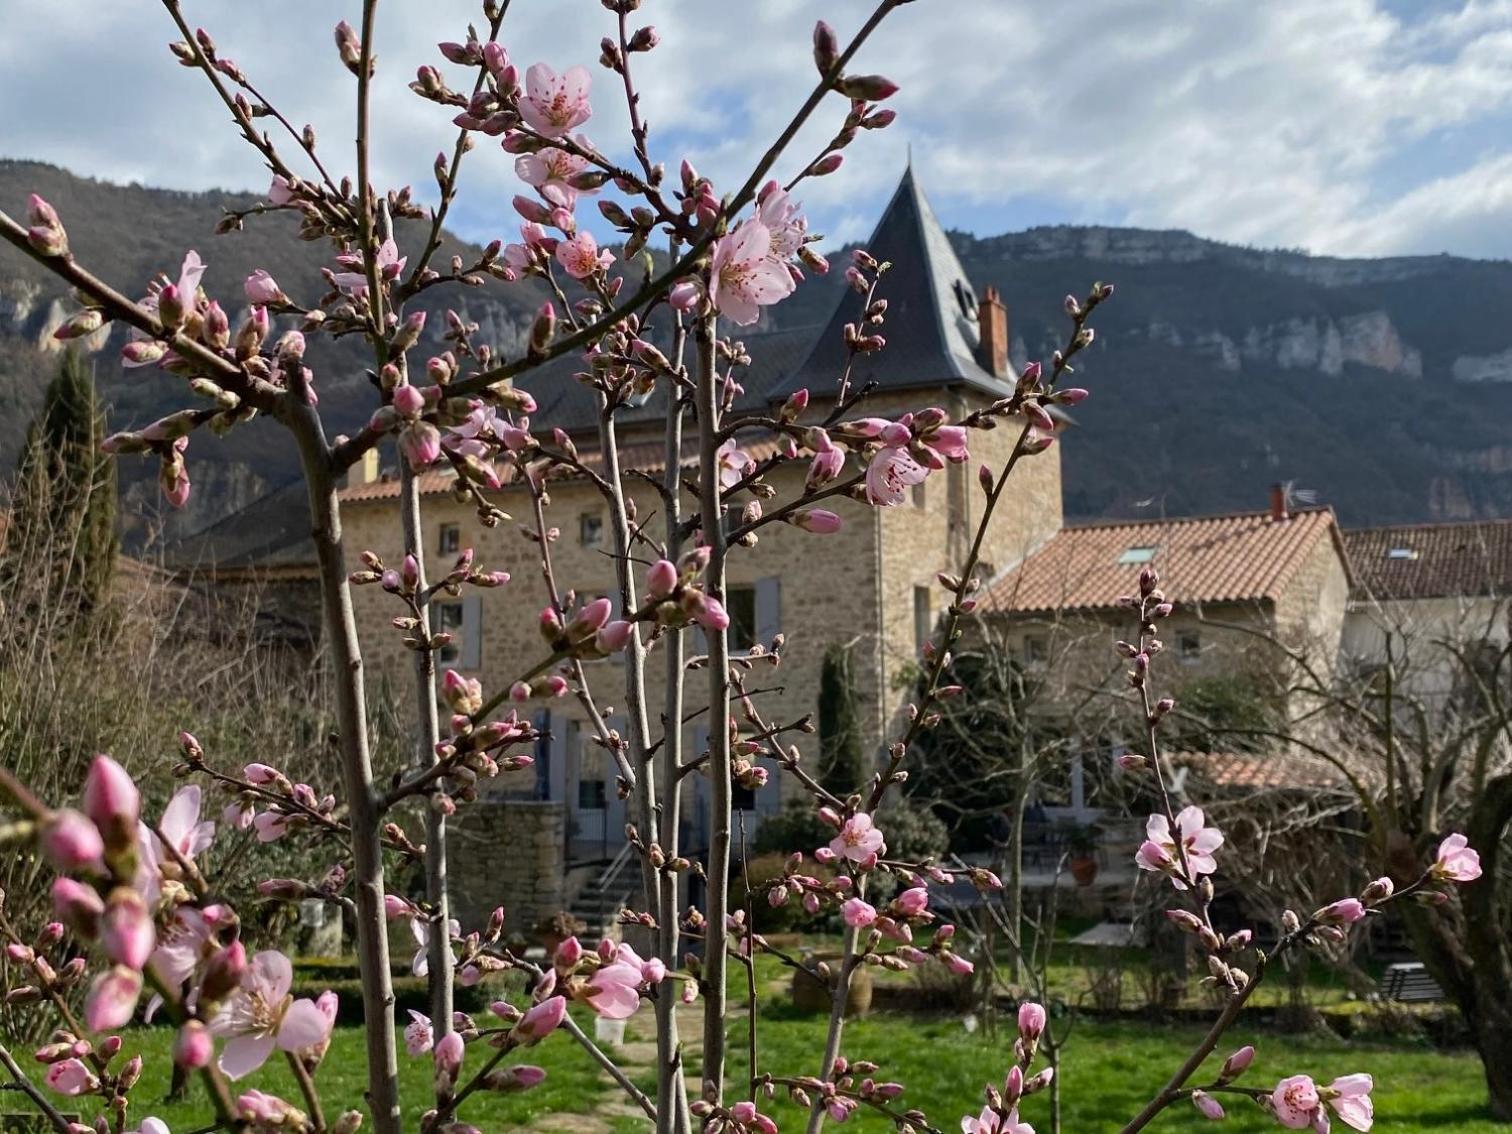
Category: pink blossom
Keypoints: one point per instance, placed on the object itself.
(540, 1021)
(684, 295)
(614, 990)
(354, 280)
(1346, 911)
(112, 802)
(193, 1047)
(449, 1052)
(270, 826)
(1198, 842)
(182, 947)
(705, 610)
(734, 464)
(554, 168)
(262, 289)
(181, 825)
(820, 521)
(1349, 1096)
(77, 906)
(890, 474)
(1031, 1021)
(828, 462)
(554, 104)
(420, 442)
(72, 843)
(661, 579)
(957, 963)
(1456, 861)
(265, 1111)
(1295, 1101)
(743, 278)
(262, 1015)
(858, 913)
(858, 840)
(71, 1077)
(421, 929)
(950, 442)
(280, 192)
(580, 256)
(151, 1125)
(784, 223)
(417, 1034)
(990, 1122)
(126, 934)
(912, 902)
(112, 998)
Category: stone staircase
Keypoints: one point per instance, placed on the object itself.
(599, 901)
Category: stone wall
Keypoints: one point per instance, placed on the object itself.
(507, 852)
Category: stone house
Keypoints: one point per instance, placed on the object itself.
(1421, 589)
(554, 833)
(1238, 581)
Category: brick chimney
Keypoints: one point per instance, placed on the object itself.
(992, 319)
(1278, 502)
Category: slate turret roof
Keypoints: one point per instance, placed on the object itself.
(931, 328)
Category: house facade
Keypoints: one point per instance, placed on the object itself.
(870, 586)
(1424, 591)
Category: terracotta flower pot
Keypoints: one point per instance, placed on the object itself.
(812, 995)
(1084, 870)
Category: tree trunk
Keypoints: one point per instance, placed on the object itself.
(1471, 961)
(357, 768)
(427, 734)
(717, 869)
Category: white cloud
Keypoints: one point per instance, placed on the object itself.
(1289, 122)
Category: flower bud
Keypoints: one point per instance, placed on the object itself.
(126, 934)
(112, 802)
(72, 843)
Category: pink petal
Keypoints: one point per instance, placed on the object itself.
(271, 974)
(304, 1025)
(243, 1055)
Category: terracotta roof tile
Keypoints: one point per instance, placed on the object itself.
(1244, 557)
(647, 458)
(1259, 771)
(1431, 560)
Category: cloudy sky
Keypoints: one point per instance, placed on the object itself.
(1351, 127)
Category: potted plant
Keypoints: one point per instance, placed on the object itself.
(1081, 847)
(811, 994)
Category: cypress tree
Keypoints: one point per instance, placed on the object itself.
(842, 762)
(64, 502)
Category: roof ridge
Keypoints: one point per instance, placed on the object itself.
(1257, 513)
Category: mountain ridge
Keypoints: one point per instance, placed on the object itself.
(1384, 384)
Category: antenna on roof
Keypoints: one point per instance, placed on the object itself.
(1295, 495)
(909, 151)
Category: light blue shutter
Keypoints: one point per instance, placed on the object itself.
(471, 656)
(768, 609)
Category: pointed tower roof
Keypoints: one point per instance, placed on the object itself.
(931, 327)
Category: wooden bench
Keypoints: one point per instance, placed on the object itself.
(1409, 981)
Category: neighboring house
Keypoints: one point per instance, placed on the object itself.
(263, 557)
(871, 585)
(1422, 590)
(1237, 581)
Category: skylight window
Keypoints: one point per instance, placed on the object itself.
(1138, 554)
(1408, 553)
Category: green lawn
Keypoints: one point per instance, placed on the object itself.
(1110, 1069)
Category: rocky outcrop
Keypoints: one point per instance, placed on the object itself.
(1483, 368)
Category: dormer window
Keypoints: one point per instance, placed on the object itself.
(1140, 554)
(1406, 553)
